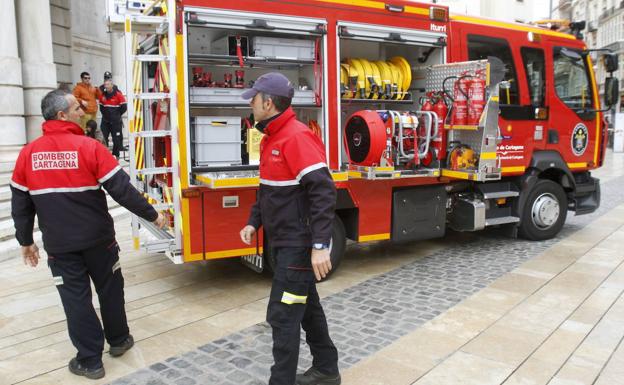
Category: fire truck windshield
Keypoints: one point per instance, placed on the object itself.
(572, 79)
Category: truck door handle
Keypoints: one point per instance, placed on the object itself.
(553, 136)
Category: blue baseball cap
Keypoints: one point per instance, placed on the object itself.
(272, 83)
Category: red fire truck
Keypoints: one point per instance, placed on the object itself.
(430, 121)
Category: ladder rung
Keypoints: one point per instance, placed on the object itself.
(152, 133)
(152, 95)
(161, 234)
(162, 206)
(143, 19)
(151, 58)
(154, 171)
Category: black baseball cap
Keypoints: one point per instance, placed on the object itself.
(273, 83)
(108, 75)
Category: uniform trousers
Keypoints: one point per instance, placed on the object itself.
(294, 303)
(114, 130)
(71, 272)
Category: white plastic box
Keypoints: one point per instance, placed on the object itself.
(282, 48)
(217, 140)
(217, 95)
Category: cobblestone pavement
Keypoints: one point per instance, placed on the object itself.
(373, 314)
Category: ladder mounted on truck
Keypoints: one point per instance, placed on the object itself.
(150, 36)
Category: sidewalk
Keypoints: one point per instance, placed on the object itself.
(557, 319)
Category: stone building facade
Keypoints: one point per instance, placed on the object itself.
(46, 44)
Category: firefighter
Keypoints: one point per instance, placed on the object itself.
(295, 205)
(112, 106)
(59, 177)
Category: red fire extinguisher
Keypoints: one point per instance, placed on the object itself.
(439, 141)
(476, 95)
(426, 104)
(459, 112)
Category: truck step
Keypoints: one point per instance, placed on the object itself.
(586, 188)
(500, 194)
(501, 221)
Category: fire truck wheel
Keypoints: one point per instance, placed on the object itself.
(337, 247)
(544, 212)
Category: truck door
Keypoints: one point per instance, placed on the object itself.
(522, 98)
(573, 127)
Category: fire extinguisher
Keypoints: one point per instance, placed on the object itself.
(425, 102)
(476, 95)
(459, 98)
(441, 110)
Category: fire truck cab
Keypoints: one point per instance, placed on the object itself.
(430, 121)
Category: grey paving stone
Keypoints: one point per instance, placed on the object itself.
(158, 367)
(185, 381)
(171, 373)
(241, 362)
(181, 364)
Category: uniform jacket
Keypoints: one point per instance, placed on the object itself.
(112, 105)
(60, 178)
(89, 94)
(297, 196)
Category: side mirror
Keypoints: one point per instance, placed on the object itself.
(612, 91)
(611, 62)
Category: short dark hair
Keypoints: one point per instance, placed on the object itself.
(92, 124)
(281, 102)
(53, 102)
(83, 74)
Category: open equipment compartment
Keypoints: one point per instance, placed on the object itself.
(227, 51)
(381, 70)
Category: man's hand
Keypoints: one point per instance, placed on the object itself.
(247, 234)
(321, 263)
(30, 255)
(160, 221)
(84, 103)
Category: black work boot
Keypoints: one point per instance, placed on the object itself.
(80, 370)
(313, 377)
(120, 349)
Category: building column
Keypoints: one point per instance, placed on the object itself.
(118, 59)
(38, 69)
(11, 92)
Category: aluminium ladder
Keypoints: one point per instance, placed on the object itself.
(150, 37)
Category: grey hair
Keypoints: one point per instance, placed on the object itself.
(53, 102)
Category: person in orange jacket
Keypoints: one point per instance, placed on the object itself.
(87, 95)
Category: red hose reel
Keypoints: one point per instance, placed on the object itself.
(366, 136)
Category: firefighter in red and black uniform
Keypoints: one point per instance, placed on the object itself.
(295, 205)
(112, 106)
(59, 177)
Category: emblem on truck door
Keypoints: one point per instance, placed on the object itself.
(579, 140)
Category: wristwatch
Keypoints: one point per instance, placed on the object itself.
(320, 246)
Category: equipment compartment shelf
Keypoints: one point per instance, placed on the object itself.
(214, 96)
(250, 61)
(376, 101)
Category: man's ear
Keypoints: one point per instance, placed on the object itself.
(61, 115)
